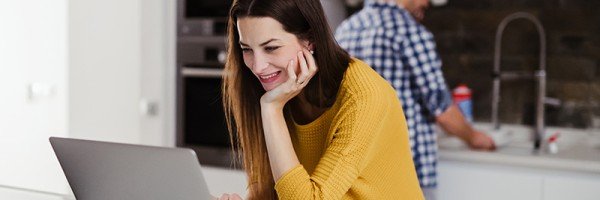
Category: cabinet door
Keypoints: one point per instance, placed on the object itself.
(71, 69)
(158, 72)
(104, 70)
(122, 71)
(471, 181)
(33, 92)
(572, 186)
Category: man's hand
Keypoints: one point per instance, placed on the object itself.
(454, 123)
(481, 141)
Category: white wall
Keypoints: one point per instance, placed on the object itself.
(33, 49)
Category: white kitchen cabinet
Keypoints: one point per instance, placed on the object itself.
(82, 69)
(571, 186)
(466, 180)
(33, 92)
(121, 63)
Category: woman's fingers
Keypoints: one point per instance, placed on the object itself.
(312, 65)
(311, 68)
(292, 72)
(304, 75)
(233, 196)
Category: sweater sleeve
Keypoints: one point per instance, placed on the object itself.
(360, 121)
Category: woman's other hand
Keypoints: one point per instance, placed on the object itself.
(230, 197)
(280, 95)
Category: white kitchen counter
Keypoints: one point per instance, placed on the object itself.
(579, 150)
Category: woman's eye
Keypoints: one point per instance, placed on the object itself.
(269, 49)
(244, 50)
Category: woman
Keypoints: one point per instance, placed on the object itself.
(311, 122)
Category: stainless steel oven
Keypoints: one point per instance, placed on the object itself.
(200, 60)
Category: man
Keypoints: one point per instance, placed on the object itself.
(388, 36)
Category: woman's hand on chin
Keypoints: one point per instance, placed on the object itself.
(280, 95)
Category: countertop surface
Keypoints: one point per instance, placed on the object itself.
(579, 150)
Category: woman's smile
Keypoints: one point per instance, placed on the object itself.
(269, 78)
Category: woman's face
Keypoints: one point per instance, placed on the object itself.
(267, 49)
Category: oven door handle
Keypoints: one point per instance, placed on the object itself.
(201, 72)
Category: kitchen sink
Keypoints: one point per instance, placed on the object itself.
(578, 150)
(516, 140)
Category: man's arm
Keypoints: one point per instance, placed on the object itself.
(454, 123)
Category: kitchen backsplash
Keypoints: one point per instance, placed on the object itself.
(465, 30)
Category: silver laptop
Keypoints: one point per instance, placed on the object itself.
(114, 171)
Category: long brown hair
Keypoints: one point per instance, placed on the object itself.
(242, 90)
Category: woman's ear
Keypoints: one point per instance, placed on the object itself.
(308, 45)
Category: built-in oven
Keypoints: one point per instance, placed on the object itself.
(200, 60)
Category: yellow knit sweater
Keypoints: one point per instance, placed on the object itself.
(357, 149)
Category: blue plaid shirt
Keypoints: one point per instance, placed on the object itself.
(388, 38)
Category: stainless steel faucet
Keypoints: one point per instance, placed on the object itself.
(539, 75)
